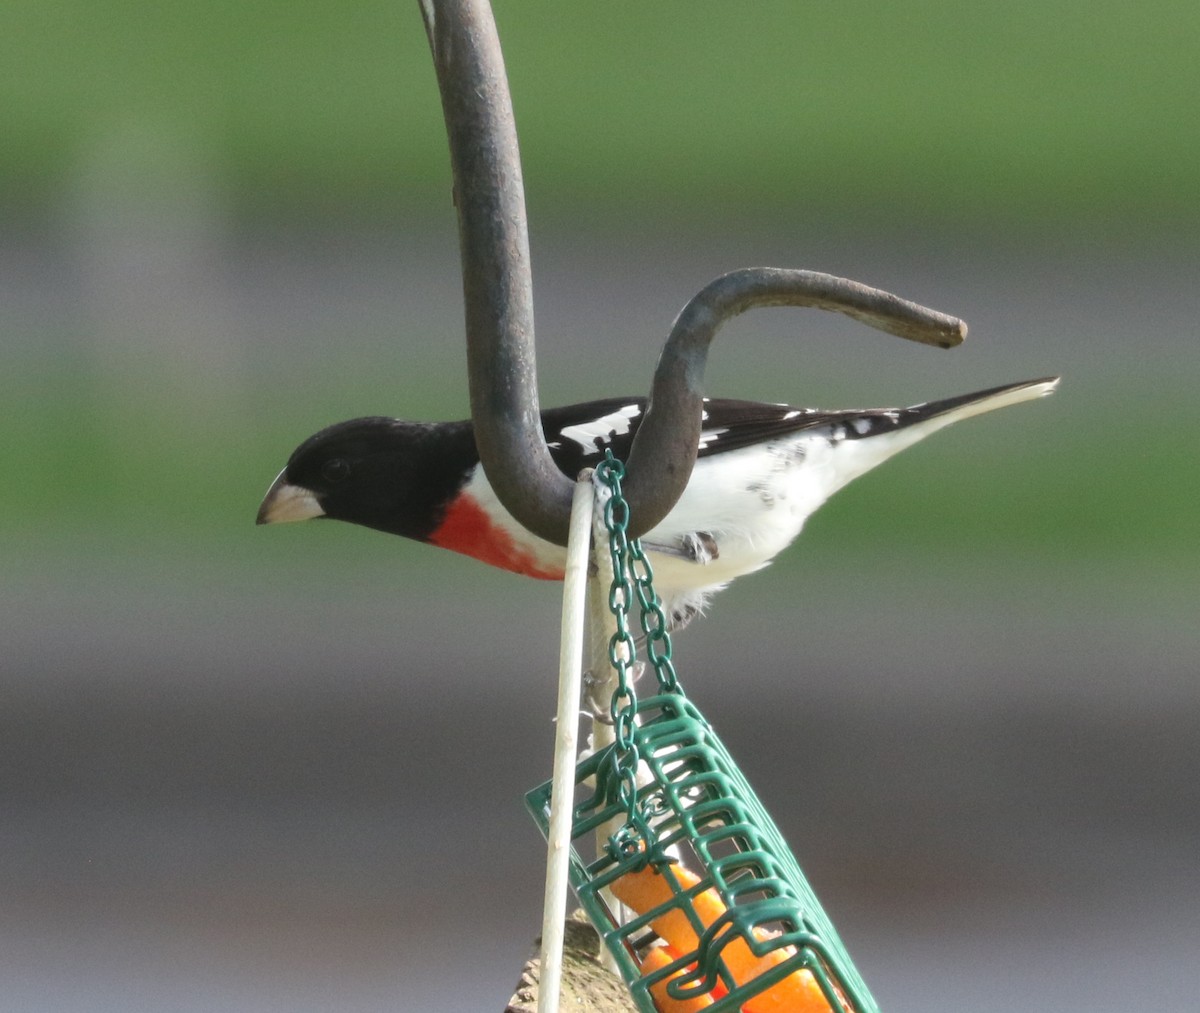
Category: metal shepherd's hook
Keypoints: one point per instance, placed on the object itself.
(498, 295)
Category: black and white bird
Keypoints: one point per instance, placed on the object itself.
(762, 469)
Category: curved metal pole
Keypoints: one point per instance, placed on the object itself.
(664, 449)
(498, 294)
(497, 284)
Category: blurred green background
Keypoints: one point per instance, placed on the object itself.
(239, 760)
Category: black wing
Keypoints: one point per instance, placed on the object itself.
(579, 434)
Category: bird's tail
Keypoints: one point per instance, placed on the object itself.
(893, 431)
(955, 409)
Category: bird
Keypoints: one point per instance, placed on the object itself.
(761, 470)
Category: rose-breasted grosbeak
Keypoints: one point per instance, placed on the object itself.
(761, 470)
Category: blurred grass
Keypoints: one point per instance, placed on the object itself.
(1019, 115)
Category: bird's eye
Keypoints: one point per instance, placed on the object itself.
(335, 469)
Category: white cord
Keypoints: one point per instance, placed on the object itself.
(566, 745)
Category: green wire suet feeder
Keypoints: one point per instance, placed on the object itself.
(727, 907)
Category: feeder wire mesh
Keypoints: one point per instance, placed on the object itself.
(724, 918)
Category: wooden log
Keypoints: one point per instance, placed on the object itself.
(587, 985)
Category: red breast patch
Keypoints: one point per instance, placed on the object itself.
(467, 529)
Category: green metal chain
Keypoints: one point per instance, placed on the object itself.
(632, 575)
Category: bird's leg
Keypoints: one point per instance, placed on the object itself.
(679, 616)
(698, 547)
(599, 679)
(598, 690)
(598, 686)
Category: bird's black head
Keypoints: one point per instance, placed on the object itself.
(378, 472)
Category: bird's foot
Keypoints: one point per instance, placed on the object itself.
(598, 691)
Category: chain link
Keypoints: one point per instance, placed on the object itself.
(632, 576)
(653, 620)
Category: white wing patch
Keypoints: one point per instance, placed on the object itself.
(708, 435)
(590, 436)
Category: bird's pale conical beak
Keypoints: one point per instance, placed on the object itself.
(285, 502)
